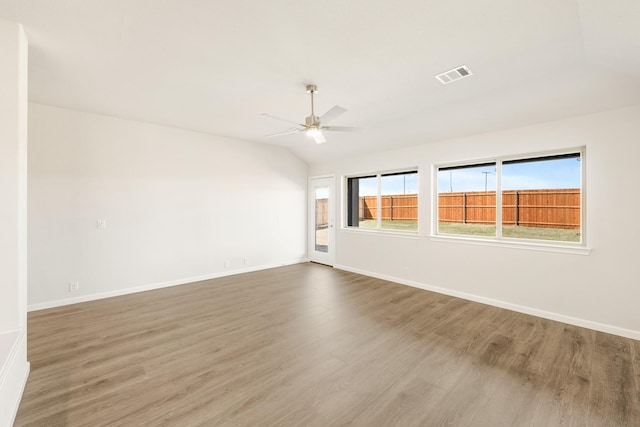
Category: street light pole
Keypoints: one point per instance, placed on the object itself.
(485, 180)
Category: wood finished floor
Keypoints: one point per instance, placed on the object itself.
(310, 345)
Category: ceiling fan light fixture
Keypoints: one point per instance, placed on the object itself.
(313, 131)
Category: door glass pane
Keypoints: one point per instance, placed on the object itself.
(322, 219)
(467, 200)
(541, 198)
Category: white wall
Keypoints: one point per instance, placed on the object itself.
(177, 204)
(13, 214)
(600, 290)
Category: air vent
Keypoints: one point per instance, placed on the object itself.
(454, 74)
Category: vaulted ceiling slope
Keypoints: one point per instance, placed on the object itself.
(215, 66)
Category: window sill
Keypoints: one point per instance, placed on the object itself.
(526, 245)
(373, 232)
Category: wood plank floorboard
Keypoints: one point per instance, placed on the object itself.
(308, 345)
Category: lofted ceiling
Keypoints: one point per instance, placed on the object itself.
(215, 66)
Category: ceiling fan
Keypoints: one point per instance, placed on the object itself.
(314, 125)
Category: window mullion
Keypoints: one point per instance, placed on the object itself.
(379, 203)
(583, 192)
(498, 199)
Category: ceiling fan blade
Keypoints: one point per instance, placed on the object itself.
(334, 112)
(341, 129)
(286, 132)
(281, 119)
(319, 138)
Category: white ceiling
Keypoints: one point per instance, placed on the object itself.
(215, 66)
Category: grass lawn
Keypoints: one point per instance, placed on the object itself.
(538, 233)
(484, 230)
(390, 225)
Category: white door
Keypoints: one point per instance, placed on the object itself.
(321, 230)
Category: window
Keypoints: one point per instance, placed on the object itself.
(532, 197)
(385, 201)
(467, 200)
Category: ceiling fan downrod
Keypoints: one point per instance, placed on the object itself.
(312, 120)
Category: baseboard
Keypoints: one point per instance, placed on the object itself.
(589, 324)
(153, 286)
(14, 371)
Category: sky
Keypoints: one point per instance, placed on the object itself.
(322, 192)
(547, 174)
(391, 184)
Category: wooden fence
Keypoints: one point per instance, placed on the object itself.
(530, 208)
(322, 213)
(401, 207)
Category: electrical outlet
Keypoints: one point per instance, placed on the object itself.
(246, 260)
(227, 263)
(101, 224)
(74, 286)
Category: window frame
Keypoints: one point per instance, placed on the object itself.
(499, 239)
(378, 175)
